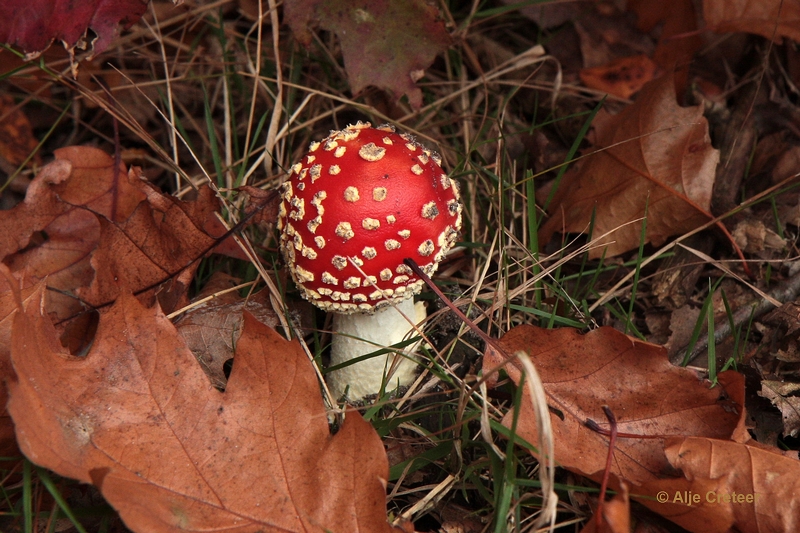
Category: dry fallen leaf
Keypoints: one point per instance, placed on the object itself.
(649, 397)
(760, 486)
(75, 229)
(101, 226)
(262, 205)
(754, 237)
(772, 19)
(80, 177)
(623, 77)
(678, 38)
(212, 328)
(17, 141)
(45, 237)
(162, 238)
(8, 304)
(61, 253)
(138, 418)
(606, 34)
(384, 43)
(783, 395)
(654, 155)
(616, 515)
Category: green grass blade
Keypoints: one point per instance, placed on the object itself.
(212, 141)
(572, 151)
(637, 268)
(48, 483)
(712, 343)
(27, 496)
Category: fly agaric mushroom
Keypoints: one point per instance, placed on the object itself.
(353, 208)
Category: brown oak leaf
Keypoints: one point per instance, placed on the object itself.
(678, 36)
(651, 399)
(654, 156)
(138, 418)
(759, 486)
(772, 19)
(17, 141)
(211, 327)
(89, 227)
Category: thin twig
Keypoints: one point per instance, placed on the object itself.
(474, 327)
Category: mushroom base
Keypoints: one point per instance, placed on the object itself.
(359, 334)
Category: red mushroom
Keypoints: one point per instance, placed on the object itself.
(353, 208)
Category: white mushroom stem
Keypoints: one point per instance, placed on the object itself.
(360, 334)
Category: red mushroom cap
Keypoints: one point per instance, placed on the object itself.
(358, 203)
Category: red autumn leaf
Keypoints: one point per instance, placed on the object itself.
(385, 43)
(649, 397)
(34, 24)
(772, 19)
(654, 156)
(138, 418)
